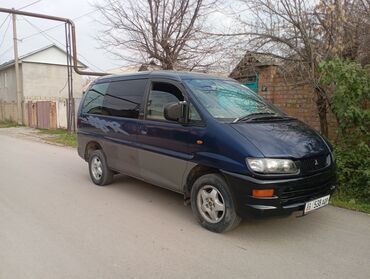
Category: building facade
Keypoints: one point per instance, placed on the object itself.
(43, 87)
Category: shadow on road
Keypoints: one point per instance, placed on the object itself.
(266, 229)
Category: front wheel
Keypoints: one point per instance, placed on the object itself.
(212, 203)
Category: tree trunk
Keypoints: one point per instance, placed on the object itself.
(322, 110)
(167, 65)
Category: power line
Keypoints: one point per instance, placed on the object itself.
(30, 4)
(53, 40)
(58, 25)
(6, 30)
(1, 25)
(8, 16)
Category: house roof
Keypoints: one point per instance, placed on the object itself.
(252, 60)
(29, 55)
(260, 59)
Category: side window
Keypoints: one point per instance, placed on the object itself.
(93, 102)
(124, 98)
(194, 116)
(160, 95)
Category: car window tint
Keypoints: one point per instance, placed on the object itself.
(93, 102)
(124, 98)
(160, 95)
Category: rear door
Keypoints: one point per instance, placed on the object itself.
(164, 152)
(120, 122)
(89, 117)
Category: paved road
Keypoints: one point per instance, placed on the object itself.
(54, 223)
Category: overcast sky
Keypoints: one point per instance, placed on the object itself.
(31, 39)
(86, 26)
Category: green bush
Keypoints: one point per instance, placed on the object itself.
(350, 84)
(353, 172)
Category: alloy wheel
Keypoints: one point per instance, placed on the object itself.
(211, 204)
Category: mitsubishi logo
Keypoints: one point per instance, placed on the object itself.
(316, 163)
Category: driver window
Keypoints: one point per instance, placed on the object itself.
(160, 95)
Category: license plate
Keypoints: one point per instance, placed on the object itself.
(315, 204)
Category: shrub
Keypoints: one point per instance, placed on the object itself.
(350, 84)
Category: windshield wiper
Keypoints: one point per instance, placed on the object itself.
(255, 115)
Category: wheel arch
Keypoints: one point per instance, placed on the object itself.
(91, 146)
(196, 172)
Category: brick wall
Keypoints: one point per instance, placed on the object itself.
(297, 99)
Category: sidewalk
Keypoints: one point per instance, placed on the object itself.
(29, 133)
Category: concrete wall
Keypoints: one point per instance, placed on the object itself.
(62, 113)
(8, 85)
(8, 111)
(8, 94)
(45, 82)
(48, 82)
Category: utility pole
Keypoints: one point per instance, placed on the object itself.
(17, 77)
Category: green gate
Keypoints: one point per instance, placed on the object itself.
(252, 83)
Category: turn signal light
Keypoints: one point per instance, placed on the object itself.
(263, 193)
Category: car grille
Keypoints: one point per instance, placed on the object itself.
(302, 193)
(311, 165)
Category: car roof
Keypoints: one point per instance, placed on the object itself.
(174, 75)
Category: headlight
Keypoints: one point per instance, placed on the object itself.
(328, 160)
(277, 166)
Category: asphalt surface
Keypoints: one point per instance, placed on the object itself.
(54, 223)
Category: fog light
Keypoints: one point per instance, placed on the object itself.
(263, 193)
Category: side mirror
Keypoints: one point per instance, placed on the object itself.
(176, 111)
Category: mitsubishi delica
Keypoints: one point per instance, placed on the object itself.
(229, 152)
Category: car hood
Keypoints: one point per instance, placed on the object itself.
(284, 138)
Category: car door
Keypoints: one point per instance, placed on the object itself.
(119, 124)
(88, 122)
(164, 152)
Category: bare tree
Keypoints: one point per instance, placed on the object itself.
(163, 31)
(303, 33)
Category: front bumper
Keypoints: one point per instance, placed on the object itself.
(290, 194)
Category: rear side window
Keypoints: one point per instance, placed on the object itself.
(93, 102)
(160, 95)
(124, 98)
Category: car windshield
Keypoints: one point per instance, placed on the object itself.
(228, 100)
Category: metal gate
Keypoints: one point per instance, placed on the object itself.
(42, 114)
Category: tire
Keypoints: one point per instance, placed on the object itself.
(213, 205)
(100, 174)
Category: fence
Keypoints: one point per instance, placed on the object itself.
(8, 111)
(39, 114)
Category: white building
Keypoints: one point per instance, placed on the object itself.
(44, 90)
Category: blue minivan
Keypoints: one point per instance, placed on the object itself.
(230, 153)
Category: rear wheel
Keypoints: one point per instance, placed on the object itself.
(212, 203)
(100, 174)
